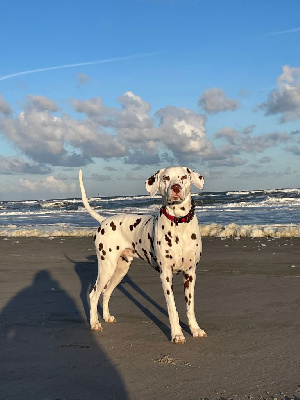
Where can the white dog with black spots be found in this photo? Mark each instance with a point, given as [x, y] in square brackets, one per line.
[170, 242]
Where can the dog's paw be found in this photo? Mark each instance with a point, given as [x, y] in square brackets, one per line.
[178, 339]
[199, 333]
[96, 326]
[110, 319]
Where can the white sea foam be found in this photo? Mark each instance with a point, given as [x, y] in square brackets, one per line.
[236, 193]
[211, 230]
[120, 198]
[283, 201]
[234, 230]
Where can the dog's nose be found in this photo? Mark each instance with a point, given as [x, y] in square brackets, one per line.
[176, 188]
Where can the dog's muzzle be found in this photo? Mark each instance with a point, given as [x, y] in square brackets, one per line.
[176, 193]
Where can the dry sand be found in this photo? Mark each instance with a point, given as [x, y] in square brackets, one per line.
[247, 300]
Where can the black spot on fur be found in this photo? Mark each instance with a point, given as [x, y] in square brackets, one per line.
[151, 180]
[99, 229]
[100, 246]
[113, 226]
[177, 240]
[168, 240]
[187, 281]
[102, 231]
[138, 221]
[193, 236]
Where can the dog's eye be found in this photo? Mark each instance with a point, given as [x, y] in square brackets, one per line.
[166, 178]
[183, 177]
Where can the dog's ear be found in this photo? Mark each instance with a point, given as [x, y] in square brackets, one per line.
[196, 178]
[152, 184]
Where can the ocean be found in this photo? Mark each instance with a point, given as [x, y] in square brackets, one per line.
[256, 213]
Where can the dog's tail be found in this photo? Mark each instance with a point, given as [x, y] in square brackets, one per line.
[93, 213]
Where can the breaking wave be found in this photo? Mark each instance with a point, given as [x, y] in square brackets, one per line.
[253, 213]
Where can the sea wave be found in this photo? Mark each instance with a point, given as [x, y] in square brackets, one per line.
[210, 230]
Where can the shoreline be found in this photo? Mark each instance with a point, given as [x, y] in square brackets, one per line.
[247, 300]
[210, 230]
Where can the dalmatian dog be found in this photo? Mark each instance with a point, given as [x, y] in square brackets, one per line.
[170, 242]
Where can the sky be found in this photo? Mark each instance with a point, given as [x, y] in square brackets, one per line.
[123, 88]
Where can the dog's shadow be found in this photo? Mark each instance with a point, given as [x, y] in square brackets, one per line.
[87, 273]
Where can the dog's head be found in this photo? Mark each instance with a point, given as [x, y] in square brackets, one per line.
[174, 183]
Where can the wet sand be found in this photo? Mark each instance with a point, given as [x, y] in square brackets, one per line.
[247, 301]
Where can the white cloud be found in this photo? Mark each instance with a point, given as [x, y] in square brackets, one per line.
[99, 177]
[228, 162]
[41, 103]
[15, 165]
[294, 150]
[82, 78]
[4, 106]
[47, 187]
[265, 160]
[250, 144]
[47, 139]
[183, 132]
[285, 99]
[131, 176]
[129, 132]
[214, 101]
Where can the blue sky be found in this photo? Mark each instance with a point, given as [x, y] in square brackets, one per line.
[124, 88]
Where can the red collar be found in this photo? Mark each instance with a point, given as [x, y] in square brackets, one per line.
[179, 220]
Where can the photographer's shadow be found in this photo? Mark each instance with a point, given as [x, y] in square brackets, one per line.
[48, 352]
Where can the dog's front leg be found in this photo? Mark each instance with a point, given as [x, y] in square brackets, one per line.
[189, 292]
[167, 284]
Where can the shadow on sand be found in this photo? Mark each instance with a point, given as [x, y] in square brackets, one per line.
[87, 273]
[47, 351]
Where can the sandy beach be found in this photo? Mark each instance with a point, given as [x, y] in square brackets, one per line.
[247, 300]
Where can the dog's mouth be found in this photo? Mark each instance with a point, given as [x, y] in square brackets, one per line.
[176, 197]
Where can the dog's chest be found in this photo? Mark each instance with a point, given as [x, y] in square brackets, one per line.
[177, 246]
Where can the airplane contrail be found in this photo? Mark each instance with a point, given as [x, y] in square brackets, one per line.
[109, 60]
[286, 31]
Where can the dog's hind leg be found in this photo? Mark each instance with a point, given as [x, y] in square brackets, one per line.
[123, 265]
[106, 270]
